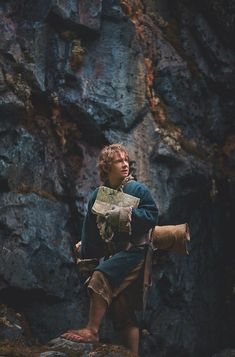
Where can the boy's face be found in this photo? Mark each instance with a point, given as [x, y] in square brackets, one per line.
[119, 168]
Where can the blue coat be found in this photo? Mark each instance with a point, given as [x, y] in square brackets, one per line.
[143, 219]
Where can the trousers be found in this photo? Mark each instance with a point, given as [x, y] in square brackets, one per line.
[122, 300]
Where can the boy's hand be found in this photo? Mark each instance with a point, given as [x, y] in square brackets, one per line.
[119, 219]
[77, 248]
[112, 217]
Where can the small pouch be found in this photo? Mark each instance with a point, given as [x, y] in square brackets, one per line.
[86, 267]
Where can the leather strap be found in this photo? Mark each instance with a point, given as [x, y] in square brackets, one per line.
[147, 269]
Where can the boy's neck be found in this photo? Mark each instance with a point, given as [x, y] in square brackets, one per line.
[114, 182]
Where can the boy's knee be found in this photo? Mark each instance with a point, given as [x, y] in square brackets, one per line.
[99, 284]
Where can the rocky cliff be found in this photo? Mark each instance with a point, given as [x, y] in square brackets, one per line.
[157, 76]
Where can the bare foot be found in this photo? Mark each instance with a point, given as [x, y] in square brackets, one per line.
[83, 335]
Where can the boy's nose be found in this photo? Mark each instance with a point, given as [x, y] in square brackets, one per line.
[125, 164]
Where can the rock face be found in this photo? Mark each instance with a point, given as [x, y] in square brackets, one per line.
[157, 76]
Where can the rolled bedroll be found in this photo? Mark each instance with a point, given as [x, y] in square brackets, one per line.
[173, 238]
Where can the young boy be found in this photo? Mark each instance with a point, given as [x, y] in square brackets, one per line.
[120, 236]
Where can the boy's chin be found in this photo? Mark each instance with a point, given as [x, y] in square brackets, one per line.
[124, 176]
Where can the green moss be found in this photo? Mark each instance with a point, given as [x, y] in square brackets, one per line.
[192, 147]
[10, 349]
[105, 349]
[14, 349]
[158, 19]
[20, 88]
[77, 55]
[24, 189]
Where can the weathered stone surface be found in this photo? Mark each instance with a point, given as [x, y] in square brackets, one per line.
[61, 342]
[221, 15]
[225, 353]
[34, 244]
[157, 76]
[33, 40]
[8, 35]
[25, 164]
[74, 14]
[53, 354]
[31, 12]
[13, 326]
[49, 317]
[99, 98]
[88, 349]
[9, 103]
[79, 13]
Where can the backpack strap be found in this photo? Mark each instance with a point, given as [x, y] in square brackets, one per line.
[147, 281]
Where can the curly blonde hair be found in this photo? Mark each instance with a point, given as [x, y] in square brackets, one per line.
[106, 157]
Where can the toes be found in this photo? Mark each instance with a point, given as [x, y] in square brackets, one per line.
[72, 336]
[80, 336]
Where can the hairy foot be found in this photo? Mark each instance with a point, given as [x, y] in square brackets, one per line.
[83, 335]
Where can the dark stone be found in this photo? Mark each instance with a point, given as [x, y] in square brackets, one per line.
[225, 353]
[113, 9]
[35, 248]
[26, 165]
[33, 41]
[84, 349]
[13, 326]
[60, 342]
[35, 11]
[53, 354]
[158, 77]
[221, 16]
[112, 60]
[10, 104]
[79, 16]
